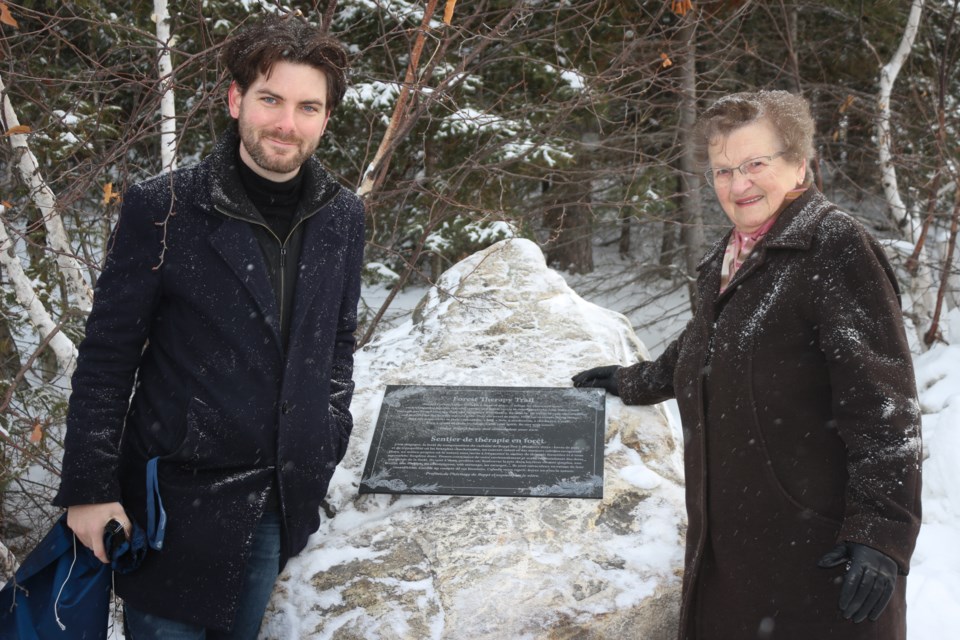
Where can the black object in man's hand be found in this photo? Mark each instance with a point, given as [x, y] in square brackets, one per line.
[114, 537]
[600, 377]
[869, 582]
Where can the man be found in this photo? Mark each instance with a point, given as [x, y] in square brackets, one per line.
[220, 348]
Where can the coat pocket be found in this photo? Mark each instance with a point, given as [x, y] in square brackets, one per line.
[790, 502]
[215, 439]
[188, 450]
[207, 441]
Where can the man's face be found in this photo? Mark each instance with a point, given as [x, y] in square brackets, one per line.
[281, 119]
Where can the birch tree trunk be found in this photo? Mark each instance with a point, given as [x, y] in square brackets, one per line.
[691, 233]
[906, 220]
[8, 563]
[63, 348]
[78, 291]
[168, 109]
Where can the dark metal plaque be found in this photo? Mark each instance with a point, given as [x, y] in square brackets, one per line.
[488, 441]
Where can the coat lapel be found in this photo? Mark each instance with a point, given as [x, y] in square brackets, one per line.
[235, 243]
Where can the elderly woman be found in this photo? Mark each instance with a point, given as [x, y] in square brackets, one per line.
[797, 398]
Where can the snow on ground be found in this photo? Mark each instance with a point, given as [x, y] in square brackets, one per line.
[933, 588]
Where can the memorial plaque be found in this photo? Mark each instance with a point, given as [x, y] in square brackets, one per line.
[488, 441]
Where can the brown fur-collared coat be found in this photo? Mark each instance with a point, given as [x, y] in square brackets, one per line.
[802, 429]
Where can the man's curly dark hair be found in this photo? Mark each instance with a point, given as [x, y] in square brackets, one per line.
[285, 38]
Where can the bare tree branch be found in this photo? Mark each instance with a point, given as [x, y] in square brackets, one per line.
[376, 172]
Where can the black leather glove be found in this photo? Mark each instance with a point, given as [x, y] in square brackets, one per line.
[869, 582]
[599, 377]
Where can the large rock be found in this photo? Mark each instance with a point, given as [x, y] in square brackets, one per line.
[454, 567]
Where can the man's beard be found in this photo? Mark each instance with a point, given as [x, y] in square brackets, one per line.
[252, 142]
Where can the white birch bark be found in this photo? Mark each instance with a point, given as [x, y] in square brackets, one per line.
[78, 291]
[168, 110]
[907, 220]
[691, 233]
[63, 348]
[8, 563]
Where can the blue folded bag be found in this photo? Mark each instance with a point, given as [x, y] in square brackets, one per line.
[61, 591]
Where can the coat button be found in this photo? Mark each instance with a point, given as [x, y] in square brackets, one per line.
[284, 408]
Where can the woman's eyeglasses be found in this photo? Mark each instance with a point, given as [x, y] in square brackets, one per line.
[751, 167]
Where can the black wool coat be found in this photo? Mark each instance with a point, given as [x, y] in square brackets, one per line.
[186, 319]
[801, 426]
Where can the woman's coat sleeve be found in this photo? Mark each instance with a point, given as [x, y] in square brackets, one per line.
[874, 400]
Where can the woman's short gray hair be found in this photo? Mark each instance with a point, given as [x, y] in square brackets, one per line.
[787, 112]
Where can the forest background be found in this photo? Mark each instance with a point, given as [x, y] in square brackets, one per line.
[563, 121]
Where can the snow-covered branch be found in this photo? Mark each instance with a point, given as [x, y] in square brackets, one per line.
[168, 109]
[63, 348]
[375, 171]
[78, 290]
[888, 75]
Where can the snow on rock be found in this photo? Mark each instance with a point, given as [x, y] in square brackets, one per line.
[446, 567]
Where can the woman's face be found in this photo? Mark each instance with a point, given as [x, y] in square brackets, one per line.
[750, 200]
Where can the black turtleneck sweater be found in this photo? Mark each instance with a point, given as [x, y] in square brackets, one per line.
[278, 204]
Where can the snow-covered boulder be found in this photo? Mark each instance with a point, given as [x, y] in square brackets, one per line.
[453, 567]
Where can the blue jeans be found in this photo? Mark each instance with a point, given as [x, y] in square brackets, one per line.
[261, 574]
